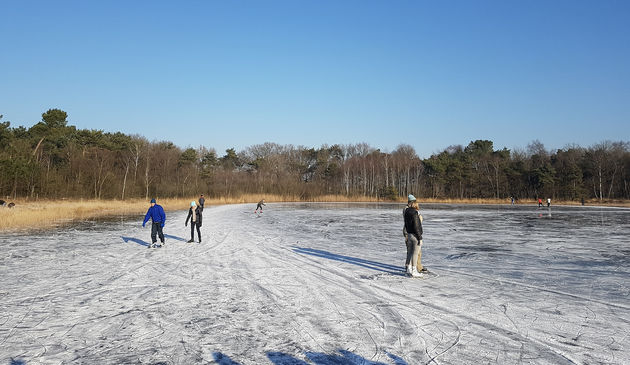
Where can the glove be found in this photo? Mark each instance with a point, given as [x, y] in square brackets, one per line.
[143, 225]
[162, 224]
[186, 224]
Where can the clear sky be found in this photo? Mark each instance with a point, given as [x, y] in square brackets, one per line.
[237, 73]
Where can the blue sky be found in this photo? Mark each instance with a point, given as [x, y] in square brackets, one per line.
[237, 73]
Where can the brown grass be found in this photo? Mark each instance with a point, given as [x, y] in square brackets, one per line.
[29, 214]
[49, 213]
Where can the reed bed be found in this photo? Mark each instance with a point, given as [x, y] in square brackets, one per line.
[29, 214]
[48, 213]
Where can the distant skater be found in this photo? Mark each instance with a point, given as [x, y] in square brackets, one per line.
[582, 200]
[195, 215]
[413, 237]
[158, 217]
[539, 202]
[259, 206]
[202, 201]
[548, 202]
[512, 200]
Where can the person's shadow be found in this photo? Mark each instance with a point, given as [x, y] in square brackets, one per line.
[368, 264]
[135, 240]
[175, 238]
[145, 243]
[343, 358]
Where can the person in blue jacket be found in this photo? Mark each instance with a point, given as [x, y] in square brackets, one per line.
[157, 215]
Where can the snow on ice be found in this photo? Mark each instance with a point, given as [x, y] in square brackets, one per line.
[323, 284]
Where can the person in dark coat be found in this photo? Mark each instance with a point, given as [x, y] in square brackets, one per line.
[259, 206]
[158, 217]
[202, 201]
[195, 216]
[413, 236]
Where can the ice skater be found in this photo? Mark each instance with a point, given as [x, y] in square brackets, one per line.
[413, 237]
[259, 206]
[195, 215]
[548, 202]
[539, 202]
[158, 218]
[202, 201]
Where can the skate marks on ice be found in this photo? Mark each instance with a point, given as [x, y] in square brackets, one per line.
[439, 329]
[256, 296]
[560, 284]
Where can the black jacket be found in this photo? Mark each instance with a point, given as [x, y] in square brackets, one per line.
[198, 211]
[412, 223]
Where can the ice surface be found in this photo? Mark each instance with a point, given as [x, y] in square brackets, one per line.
[323, 284]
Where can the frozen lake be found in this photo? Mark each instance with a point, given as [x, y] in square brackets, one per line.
[323, 284]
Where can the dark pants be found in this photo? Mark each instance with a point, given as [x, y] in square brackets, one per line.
[192, 231]
[156, 229]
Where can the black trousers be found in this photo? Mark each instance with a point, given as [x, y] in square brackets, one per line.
[192, 231]
[156, 229]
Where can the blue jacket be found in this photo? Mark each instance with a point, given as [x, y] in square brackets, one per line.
[156, 213]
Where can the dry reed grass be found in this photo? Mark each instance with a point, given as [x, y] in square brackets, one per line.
[49, 213]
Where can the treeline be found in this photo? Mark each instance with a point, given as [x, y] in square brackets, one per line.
[54, 160]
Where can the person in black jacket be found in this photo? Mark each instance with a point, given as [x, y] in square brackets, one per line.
[413, 236]
[195, 215]
[259, 206]
[202, 201]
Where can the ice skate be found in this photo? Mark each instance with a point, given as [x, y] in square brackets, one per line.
[415, 273]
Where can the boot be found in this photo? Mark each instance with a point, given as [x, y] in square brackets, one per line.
[191, 240]
[415, 273]
[408, 270]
